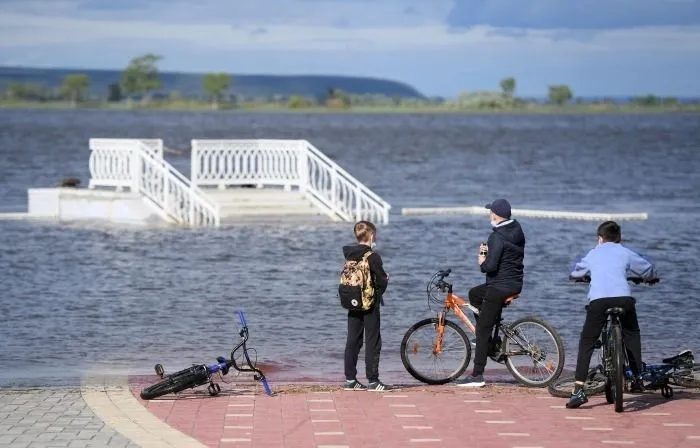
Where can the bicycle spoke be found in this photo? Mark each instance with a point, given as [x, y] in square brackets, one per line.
[420, 351]
[536, 355]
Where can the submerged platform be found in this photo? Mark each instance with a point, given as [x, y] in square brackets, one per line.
[74, 204]
[124, 207]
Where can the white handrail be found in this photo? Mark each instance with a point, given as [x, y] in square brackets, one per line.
[290, 163]
[172, 192]
[133, 164]
[347, 194]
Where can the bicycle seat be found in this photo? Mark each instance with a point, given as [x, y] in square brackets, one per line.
[684, 357]
[614, 311]
[509, 299]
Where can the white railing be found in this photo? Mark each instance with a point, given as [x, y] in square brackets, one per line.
[337, 189]
[225, 163]
[130, 163]
[288, 163]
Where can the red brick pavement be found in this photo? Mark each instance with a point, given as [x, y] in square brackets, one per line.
[445, 416]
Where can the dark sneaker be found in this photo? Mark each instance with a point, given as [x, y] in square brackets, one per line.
[471, 381]
[378, 386]
[636, 387]
[577, 399]
[354, 385]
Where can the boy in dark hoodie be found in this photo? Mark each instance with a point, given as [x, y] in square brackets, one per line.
[365, 323]
[501, 259]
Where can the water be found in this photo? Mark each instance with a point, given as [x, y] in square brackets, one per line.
[77, 295]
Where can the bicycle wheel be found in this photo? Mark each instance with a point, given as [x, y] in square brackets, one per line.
[689, 378]
[418, 352]
[534, 351]
[177, 382]
[618, 367]
[564, 385]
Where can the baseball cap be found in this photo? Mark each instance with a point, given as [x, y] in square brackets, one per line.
[501, 207]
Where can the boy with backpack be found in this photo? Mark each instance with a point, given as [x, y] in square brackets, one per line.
[362, 284]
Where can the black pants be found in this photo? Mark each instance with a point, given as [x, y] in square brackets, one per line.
[489, 300]
[363, 324]
[595, 319]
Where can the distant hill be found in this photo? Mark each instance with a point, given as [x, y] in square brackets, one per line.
[190, 84]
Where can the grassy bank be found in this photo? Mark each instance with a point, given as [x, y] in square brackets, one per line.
[532, 108]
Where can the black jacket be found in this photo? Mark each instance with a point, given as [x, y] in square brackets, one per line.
[504, 262]
[380, 280]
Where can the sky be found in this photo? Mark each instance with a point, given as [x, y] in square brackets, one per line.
[441, 47]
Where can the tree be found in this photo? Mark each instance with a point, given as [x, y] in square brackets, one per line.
[337, 99]
[74, 86]
[508, 86]
[114, 92]
[560, 94]
[215, 84]
[141, 75]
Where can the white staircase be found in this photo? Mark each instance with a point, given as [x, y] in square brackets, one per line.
[289, 164]
[273, 203]
[234, 179]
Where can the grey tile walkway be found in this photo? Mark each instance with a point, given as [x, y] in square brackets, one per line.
[56, 417]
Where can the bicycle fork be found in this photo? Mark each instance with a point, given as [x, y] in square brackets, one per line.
[440, 332]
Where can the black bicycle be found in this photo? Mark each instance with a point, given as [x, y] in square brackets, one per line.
[200, 374]
[613, 370]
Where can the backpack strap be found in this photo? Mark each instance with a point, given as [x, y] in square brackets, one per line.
[366, 256]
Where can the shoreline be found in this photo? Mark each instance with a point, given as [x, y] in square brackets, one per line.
[535, 109]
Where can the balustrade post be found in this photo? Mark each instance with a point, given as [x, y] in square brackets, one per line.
[303, 166]
[358, 203]
[166, 192]
[135, 169]
[191, 201]
[334, 184]
[194, 163]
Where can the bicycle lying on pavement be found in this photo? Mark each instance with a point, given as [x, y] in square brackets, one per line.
[435, 341]
[200, 374]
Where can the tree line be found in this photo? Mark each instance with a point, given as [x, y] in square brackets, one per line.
[141, 78]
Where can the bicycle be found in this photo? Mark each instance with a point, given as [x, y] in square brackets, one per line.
[614, 364]
[200, 374]
[514, 345]
[679, 370]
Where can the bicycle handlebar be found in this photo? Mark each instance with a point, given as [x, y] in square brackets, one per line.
[444, 273]
[635, 280]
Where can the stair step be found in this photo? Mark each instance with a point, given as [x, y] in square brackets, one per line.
[225, 213]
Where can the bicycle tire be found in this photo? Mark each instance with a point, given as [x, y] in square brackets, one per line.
[688, 378]
[564, 385]
[618, 367]
[459, 369]
[520, 377]
[177, 382]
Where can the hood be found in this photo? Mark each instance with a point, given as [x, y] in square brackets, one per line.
[512, 233]
[355, 252]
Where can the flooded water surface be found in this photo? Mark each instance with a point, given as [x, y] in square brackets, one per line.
[75, 296]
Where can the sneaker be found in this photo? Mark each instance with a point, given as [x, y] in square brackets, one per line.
[378, 386]
[354, 385]
[636, 386]
[577, 399]
[471, 381]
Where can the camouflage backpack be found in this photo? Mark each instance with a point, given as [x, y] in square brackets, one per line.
[356, 291]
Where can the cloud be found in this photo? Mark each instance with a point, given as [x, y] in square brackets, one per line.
[356, 13]
[574, 14]
[439, 45]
